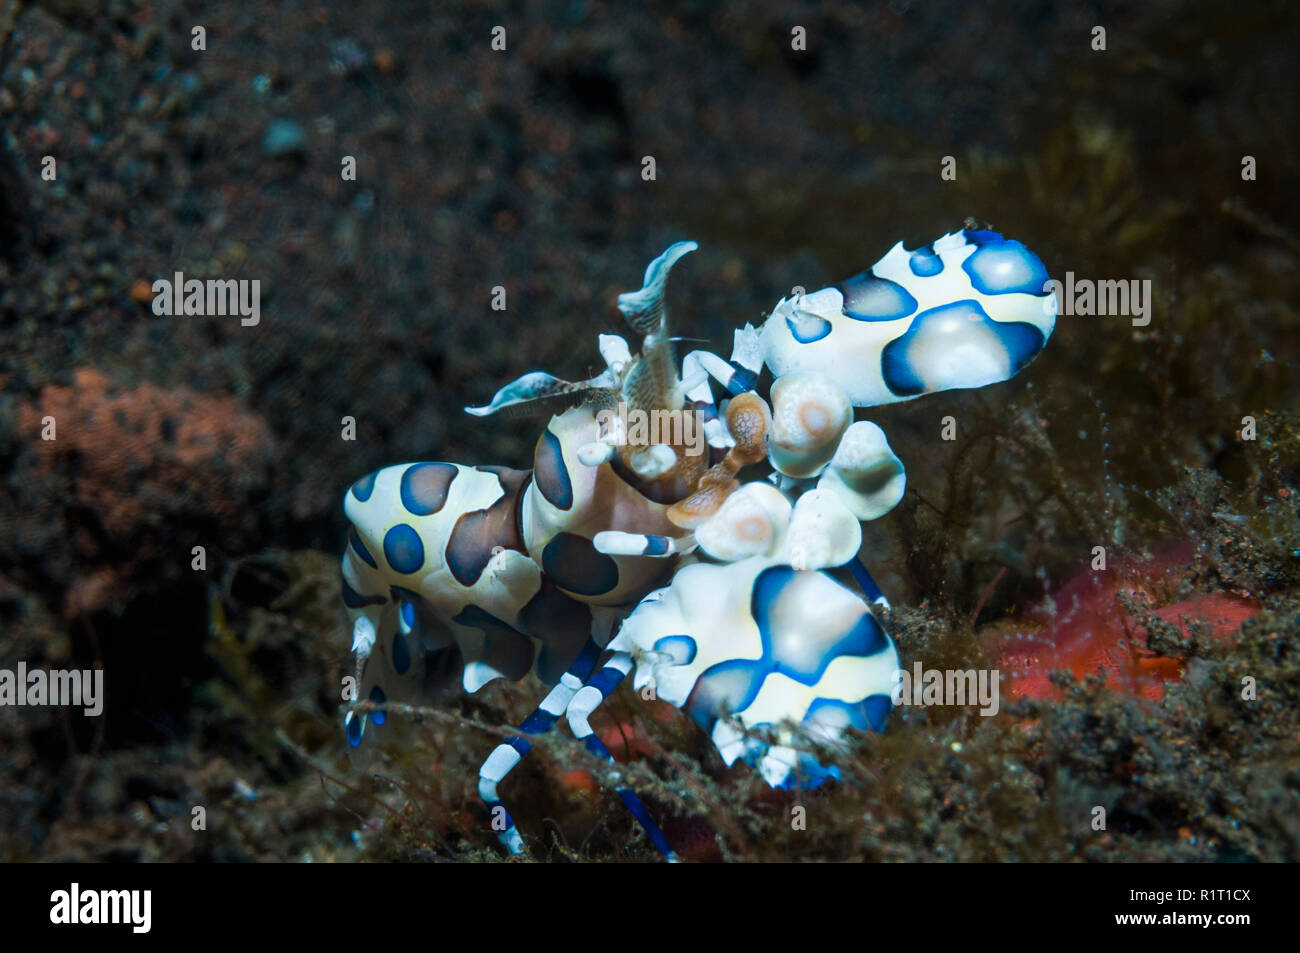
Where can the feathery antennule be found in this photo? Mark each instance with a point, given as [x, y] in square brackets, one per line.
[538, 387]
[643, 308]
[652, 383]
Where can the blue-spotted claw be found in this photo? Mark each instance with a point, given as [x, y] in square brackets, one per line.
[970, 309]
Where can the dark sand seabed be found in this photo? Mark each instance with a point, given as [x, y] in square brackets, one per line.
[523, 169]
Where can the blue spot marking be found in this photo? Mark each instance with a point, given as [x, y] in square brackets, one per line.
[378, 697]
[804, 661]
[870, 714]
[364, 487]
[924, 262]
[842, 714]
[550, 473]
[734, 684]
[682, 648]
[980, 236]
[727, 686]
[809, 773]
[403, 549]
[1021, 340]
[574, 564]
[401, 654]
[354, 726]
[867, 637]
[655, 546]
[878, 708]
[808, 328]
[407, 612]
[1005, 268]
[360, 548]
[868, 298]
[424, 487]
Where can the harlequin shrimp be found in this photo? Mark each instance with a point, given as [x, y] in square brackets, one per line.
[743, 603]
[498, 564]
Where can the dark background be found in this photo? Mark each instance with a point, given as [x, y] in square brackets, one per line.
[522, 168]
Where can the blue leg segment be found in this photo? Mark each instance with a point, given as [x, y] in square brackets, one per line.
[869, 587]
[506, 755]
[597, 689]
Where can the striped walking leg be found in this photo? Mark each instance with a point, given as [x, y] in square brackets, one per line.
[506, 755]
[587, 700]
